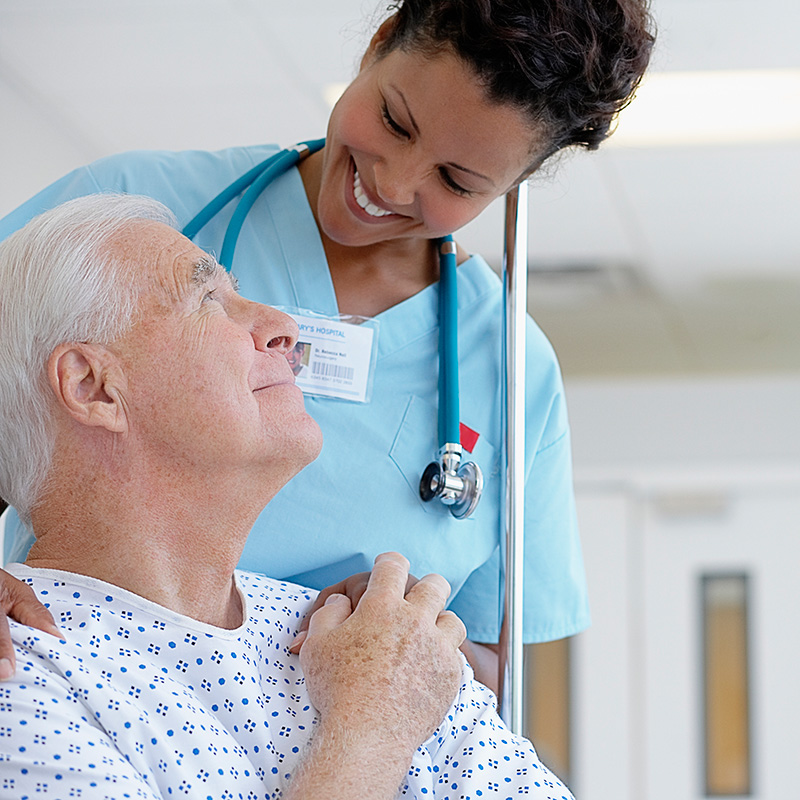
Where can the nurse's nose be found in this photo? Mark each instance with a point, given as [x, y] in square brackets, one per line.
[272, 329]
[396, 182]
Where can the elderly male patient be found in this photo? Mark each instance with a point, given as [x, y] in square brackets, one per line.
[147, 414]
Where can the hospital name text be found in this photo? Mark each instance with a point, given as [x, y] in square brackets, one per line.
[321, 330]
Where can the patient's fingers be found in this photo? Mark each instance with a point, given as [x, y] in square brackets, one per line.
[430, 593]
[334, 611]
[352, 587]
[389, 575]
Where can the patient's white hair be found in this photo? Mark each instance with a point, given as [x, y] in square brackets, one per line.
[59, 282]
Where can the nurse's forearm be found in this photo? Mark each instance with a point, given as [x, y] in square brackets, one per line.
[484, 660]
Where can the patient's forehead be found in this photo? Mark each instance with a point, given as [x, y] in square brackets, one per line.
[162, 264]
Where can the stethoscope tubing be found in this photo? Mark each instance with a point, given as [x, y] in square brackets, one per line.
[449, 411]
[280, 164]
[252, 183]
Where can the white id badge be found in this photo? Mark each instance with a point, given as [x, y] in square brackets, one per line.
[334, 356]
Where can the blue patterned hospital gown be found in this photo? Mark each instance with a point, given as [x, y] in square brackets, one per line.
[140, 702]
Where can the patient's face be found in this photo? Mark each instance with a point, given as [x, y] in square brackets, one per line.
[209, 385]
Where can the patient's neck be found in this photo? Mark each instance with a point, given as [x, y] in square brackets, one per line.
[175, 548]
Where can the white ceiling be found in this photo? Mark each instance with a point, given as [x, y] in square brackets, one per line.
[677, 258]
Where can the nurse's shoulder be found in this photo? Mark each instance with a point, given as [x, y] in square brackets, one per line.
[179, 179]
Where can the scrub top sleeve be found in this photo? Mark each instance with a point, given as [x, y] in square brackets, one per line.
[77, 183]
[183, 181]
[17, 539]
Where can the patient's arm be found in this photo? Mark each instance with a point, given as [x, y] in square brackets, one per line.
[18, 601]
[382, 679]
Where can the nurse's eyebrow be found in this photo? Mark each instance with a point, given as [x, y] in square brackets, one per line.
[207, 268]
[408, 110]
[416, 130]
[470, 172]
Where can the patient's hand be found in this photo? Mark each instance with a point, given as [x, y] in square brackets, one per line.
[352, 588]
[483, 658]
[18, 601]
[383, 675]
[398, 647]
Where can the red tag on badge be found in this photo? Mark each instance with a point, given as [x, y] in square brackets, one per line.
[469, 437]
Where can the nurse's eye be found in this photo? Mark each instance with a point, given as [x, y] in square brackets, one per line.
[447, 178]
[389, 120]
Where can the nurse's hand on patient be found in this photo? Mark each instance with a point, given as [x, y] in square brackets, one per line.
[18, 601]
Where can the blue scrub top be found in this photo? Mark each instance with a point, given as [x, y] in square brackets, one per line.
[360, 497]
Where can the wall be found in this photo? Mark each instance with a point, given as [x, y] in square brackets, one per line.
[677, 479]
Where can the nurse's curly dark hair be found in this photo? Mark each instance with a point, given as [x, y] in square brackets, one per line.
[570, 65]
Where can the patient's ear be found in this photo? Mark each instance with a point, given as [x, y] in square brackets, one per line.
[88, 382]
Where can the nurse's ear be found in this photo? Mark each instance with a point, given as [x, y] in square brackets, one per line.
[89, 385]
[378, 39]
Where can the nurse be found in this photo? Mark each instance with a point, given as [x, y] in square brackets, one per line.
[455, 103]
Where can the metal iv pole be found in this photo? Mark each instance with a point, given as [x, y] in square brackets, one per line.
[515, 280]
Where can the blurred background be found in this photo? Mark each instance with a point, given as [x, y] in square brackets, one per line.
[665, 269]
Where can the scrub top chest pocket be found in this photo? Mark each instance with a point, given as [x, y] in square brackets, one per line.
[412, 449]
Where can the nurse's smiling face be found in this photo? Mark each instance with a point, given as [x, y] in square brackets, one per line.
[416, 150]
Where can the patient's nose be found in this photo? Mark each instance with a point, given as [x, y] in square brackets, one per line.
[272, 329]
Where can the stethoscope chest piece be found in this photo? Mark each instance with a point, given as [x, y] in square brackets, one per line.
[458, 486]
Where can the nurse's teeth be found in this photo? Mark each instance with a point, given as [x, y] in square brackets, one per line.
[363, 201]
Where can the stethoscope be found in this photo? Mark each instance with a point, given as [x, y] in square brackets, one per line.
[458, 486]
